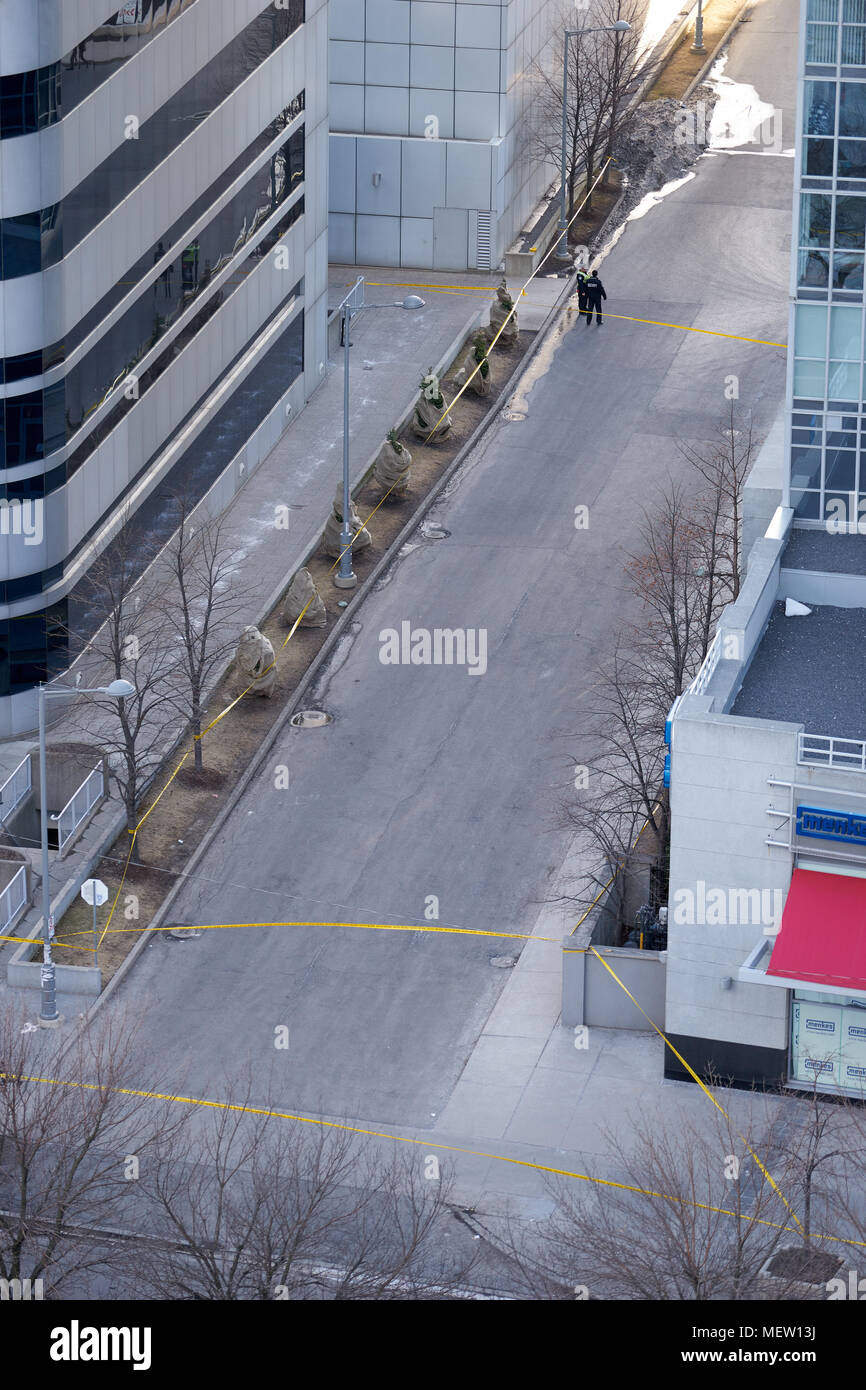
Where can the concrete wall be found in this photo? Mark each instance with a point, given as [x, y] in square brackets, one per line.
[590, 995]
[719, 824]
[441, 93]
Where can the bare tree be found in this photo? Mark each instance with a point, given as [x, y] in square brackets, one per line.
[201, 604]
[692, 1217]
[131, 644]
[724, 466]
[251, 1205]
[71, 1141]
[605, 70]
[619, 806]
[666, 576]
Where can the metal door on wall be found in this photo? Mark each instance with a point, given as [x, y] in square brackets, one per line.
[450, 239]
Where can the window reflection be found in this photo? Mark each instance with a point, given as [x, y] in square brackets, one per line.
[66, 224]
[41, 421]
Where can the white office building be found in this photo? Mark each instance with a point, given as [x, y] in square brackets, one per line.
[430, 165]
[163, 277]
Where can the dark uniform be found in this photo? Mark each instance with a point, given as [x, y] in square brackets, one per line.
[581, 277]
[594, 295]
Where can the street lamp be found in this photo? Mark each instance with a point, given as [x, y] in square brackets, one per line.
[346, 578]
[620, 27]
[49, 1017]
[698, 45]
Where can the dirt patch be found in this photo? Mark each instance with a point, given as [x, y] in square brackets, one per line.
[683, 66]
[192, 799]
[586, 226]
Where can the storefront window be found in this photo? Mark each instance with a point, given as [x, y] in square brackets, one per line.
[828, 1040]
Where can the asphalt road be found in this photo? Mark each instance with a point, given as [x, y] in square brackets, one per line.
[433, 781]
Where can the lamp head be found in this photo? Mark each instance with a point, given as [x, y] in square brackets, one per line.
[118, 689]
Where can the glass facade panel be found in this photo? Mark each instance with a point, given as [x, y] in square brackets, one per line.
[30, 101]
[814, 269]
[815, 214]
[809, 379]
[852, 159]
[818, 157]
[34, 425]
[852, 109]
[819, 108]
[810, 333]
[847, 270]
[850, 227]
[844, 381]
[845, 334]
[66, 224]
[806, 466]
[821, 43]
[841, 469]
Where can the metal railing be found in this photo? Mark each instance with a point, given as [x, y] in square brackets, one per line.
[78, 806]
[823, 750]
[16, 787]
[708, 666]
[13, 898]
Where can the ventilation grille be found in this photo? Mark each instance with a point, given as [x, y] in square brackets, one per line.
[485, 220]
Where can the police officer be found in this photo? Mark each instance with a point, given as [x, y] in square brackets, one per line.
[594, 295]
[581, 277]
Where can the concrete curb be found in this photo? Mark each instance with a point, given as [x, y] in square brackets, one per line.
[738, 19]
[327, 649]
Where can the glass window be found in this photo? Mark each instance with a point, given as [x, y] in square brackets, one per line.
[852, 109]
[822, 9]
[807, 505]
[814, 269]
[64, 226]
[809, 379]
[810, 332]
[821, 43]
[847, 270]
[853, 11]
[850, 227]
[819, 109]
[854, 45]
[806, 466]
[845, 334]
[843, 383]
[841, 466]
[30, 101]
[815, 210]
[818, 157]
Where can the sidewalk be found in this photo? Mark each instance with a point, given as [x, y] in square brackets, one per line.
[390, 354]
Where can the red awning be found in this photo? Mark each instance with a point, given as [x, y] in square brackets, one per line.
[822, 940]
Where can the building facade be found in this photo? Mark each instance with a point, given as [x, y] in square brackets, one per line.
[163, 276]
[430, 165]
[826, 391]
[766, 964]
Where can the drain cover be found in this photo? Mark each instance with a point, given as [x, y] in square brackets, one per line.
[310, 719]
[504, 962]
[183, 933]
[513, 415]
[434, 533]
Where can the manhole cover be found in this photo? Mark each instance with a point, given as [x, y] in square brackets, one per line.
[183, 933]
[504, 962]
[310, 719]
[513, 415]
[434, 533]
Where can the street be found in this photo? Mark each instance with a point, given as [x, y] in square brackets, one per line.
[434, 783]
